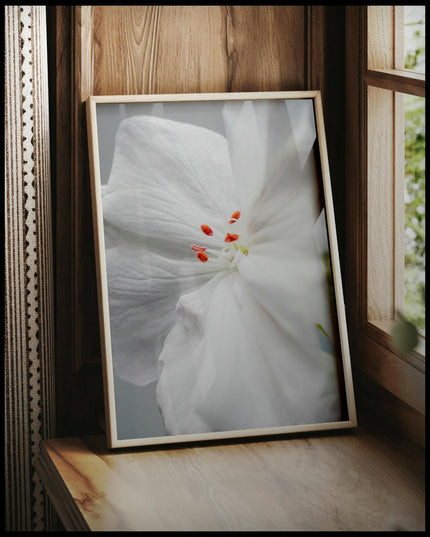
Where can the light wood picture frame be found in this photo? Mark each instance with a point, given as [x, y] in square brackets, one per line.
[220, 294]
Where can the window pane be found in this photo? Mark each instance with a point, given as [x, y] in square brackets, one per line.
[414, 38]
[414, 305]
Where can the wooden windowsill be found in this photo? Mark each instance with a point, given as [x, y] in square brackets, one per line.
[415, 358]
[348, 481]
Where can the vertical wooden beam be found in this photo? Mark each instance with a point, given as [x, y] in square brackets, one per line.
[85, 329]
[356, 191]
[380, 35]
[316, 50]
[380, 203]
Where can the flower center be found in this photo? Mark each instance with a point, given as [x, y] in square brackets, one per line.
[231, 248]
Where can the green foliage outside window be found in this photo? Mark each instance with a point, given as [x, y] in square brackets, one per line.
[414, 307]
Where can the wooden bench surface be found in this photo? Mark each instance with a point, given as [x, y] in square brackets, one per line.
[348, 481]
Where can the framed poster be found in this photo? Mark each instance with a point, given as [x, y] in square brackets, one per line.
[220, 296]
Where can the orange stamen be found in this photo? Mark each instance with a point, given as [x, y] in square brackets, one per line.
[231, 237]
[202, 256]
[198, 248]
[235, 217]
[207, 230]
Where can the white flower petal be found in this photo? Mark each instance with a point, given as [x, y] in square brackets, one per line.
[274, 167]
[302, 117]
[167, 179]
[289, 197]
[247, 151]
[242, 349]
[143, 289]
[292, 289]
[229, 364]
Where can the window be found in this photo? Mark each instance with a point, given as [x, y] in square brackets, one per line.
[395, 161]
[385, 185]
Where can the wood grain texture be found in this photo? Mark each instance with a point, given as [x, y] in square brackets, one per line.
[343, 483]
[398, 223]
[317, 50]
[380, 37]
[396, 80]
[86, 342]
[266, 48]
[389, 370]
[59, 29]
[332, 83]
[355, 167]
[386, 415]
[194, 49]
[380, 204]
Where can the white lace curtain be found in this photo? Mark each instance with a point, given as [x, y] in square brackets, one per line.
[29, 331]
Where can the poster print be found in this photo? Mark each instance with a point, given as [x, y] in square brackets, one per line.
[219, 285]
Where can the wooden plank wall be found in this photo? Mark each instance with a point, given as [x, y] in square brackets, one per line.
[107, 50]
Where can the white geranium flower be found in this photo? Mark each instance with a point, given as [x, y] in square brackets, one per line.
[215, 283]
